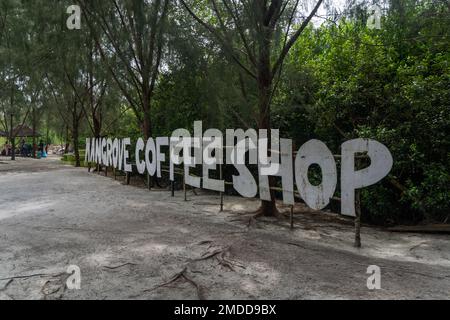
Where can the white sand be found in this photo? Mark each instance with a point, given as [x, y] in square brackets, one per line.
[127, 241]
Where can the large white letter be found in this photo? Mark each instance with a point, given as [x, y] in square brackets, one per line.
[269, 167]
[92, 154]
[212, 141]
[316, 152]
[115, 153]
[98, 151]
[151, 165]
[87, 155]
[196, 144]
[120, 155]
[140, 165]
[160, 156]
[244, 183]
[381, 164]
[180, 140]
[109, 144]
[126, 154]
[285, 171]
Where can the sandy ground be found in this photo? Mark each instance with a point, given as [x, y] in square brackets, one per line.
[130, 243]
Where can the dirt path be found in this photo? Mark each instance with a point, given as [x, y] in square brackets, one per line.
[130, 243]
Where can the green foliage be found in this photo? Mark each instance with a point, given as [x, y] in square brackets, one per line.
[340, 81]
[391, 85]
[69, 158]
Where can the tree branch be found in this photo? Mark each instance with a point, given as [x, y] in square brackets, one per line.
[293, 39]
[223, 42]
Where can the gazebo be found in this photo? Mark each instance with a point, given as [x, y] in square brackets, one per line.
[21, 132]
[24, 132]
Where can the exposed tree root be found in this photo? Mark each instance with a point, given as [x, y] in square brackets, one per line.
[225, 264]
[249, 221]
[119, 266]
[302, 246]
[25, 277]
[170, 281]
[34, 275]
[6, 285]
[265, 212]
[221, 257]
[218, 254]
[203, 242]
[197, 286]
[46, 294]
[417, 246]
[209, 255]
[176, 277]
[8, 296]
[224, 261]
[260, 213]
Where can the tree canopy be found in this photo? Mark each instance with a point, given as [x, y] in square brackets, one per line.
[313, 69]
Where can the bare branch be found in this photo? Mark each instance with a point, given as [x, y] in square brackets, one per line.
[294, 38]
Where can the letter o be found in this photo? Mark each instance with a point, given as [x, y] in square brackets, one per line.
[151, 166]
[115, 152]
[140, 165]
[316, 152]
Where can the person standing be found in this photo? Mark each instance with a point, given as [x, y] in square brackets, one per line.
[40, 149]
[23, 151]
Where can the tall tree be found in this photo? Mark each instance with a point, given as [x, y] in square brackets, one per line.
[20, 92]
[257, 36]
[132, 45]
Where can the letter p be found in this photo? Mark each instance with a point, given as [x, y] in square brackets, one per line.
[381, 165]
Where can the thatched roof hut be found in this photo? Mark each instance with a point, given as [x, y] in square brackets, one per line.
[20, 132]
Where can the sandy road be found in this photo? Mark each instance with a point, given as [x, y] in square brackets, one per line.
[129, 242]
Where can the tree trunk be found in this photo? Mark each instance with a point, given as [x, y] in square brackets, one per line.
[147, 123]
[66, 149]
[358, 219]
[75, 136]
[264, 78]
[147, 132]
[13, 140]
[147, 127]
[34, 133]
[95, 111]
[97, 125]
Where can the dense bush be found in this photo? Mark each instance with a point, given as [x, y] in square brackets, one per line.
[391, 85]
